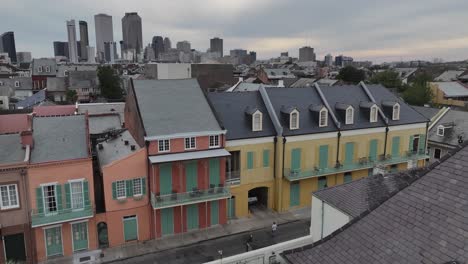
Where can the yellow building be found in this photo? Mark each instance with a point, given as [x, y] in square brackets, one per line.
[449, 93]
[286, 143]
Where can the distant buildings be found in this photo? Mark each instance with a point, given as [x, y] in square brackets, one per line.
[184, 46]
[167, 44]
[104, 33]
[158, 46]
[328, 61]
[84, 41]
[7, 44]
[240, 56]
[216, 45]
[72, 46]
[23, 56]
[306, 54]
[110, 51]
[342, 61]
[60, 49]
[132, 32]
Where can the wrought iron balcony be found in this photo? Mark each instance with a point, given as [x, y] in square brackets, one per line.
[195, 196]
[60, 216]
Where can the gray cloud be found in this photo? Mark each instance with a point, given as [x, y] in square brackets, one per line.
[366, 29]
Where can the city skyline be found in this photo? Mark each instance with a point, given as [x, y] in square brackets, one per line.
[433, 30]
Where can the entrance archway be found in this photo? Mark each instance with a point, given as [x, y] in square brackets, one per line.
[103, 237]
[258, 198]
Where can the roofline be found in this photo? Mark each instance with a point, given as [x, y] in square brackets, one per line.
[327, 105]
[186, 134]
[213, 110]
[271, 111]
[371, 97]
[439, 116]
[137, 106]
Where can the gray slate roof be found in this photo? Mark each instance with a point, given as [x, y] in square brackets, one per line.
[11, 150]
[448, 76]
[426, 222]
[173, 106]
[428, 112]
[302, 82]
[100, 124]
[103, 108]
[36, 63]
[365, 194]
[59, 138]
[56, 84]
[115, 149]
[231, 109]
[460, 128]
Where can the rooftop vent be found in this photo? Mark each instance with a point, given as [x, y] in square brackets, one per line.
[126, 142]
[132, 147]
[100, 146]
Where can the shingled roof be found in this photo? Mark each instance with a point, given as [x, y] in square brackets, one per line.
[426, 222]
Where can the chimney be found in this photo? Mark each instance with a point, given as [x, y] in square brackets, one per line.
[132, 147]
[27, 138]
[126, 142]
[100, 147]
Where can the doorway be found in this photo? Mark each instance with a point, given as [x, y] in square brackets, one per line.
[103, 237]
[14, 247]
[258, 198]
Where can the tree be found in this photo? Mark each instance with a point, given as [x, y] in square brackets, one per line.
[109, 83]
[71, 96]
[351, 75]
[388, 78]
[419, 92]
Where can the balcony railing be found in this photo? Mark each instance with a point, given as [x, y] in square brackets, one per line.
[195, 196]
[60, 216]
[233, 178]
[361, 163]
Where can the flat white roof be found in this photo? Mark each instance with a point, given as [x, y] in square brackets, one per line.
[204, 154]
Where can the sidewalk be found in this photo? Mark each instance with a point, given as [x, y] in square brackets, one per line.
[258, 220]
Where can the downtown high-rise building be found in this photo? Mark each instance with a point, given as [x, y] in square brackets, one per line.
[110, 51]
[158, 46]
[7, 45]
[167, 44]
[84, 40]
[216, 45]
[132, 32]
[184, 46]
[306, 54]
[328, 60]
[60, 49]
[23, 56]
[104, 33]
[72, 45]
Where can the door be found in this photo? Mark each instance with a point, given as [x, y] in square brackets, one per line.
[53, 239]
[14, 248]
[231, 207]
[214, 172]
[214, 214]
[294, 193]
[167, 221]
[296, 159]
[191, 176]
[165, 178]
[323, 157]
[396, 147]
[80, 236]
[373, 150]
[192, 216]
[349, 153]
[130, 228]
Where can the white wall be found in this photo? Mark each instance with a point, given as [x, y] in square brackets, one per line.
[332, 218]
[5, 101]
[174, 71]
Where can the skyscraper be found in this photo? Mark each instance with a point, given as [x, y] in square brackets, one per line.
[132, 32]
[158, 46]
[306, 54]
[104, 33]
[167, 44]
[7, 44]
[23, 56]
[216, 45]
[72, 46]
[184, 46]
[110, 51]
[84, 40]
[328, 61]
[60, 49]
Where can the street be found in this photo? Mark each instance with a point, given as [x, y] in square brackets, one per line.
[230, 245]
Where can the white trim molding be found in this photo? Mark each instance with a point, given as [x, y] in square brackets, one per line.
[409, 126]
[312, 136]
[184, 135]
[249, 141]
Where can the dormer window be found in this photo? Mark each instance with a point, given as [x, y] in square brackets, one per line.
[373, 114]
[396, 112]
[323, 117]
[294, 120]
[349, 116]
[39, 69]
[47, 69]
[17, 84]
[257, 121]
[440, 130]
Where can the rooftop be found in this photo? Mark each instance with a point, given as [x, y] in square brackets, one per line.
[13, 123]
[11, 151]
[115, 148]
[102, 108]
[452, 89]
[54, 110]
[456, 125]
[102, 123]
[428, 112]
[32, 100]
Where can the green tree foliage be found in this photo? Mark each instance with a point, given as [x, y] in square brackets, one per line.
[419, 92]
[388, 78]
[109, 83]
[351, 75]
[71, 96]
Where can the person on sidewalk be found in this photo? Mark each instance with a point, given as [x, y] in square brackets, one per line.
[273, 229]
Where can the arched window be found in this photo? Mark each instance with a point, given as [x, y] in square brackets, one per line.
[257, 121]
[349, 116]
[323, 117]
[396, 112]
[373, 114]
[294, 120]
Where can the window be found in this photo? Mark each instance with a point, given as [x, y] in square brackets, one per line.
[322, 182]
[396, 112]
[76, 195]
[214, 141]
[47, 69]
[373, 114]
[437, 153]
[17, 84]
[120, 189]
[349, 116]
[163, 145]
[257, 121]
[39, 69]
[65, 73]
[190, 143]
[440, 130]
[323, 118]
[9, 196]
[137, 187]
[85, 89]
[348, 177]
[50, 199]
[294, 120]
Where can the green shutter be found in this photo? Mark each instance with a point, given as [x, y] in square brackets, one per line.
[214, 172]
[296, 159]
[130, 228]
[53, 238]
[114, 190]
[214, 212]
[322, 182]
[250, 160]
[129, 186]
[231, 208]
[294, 193]
[422, 143]
[373, 150]
[165, 178]
[266, 158]
[143, 185]
[167, 221]
[323, 157]
[192, 216]
[410, 147]
[80, 236]
[86, 193]
[39, 201]
[58, 190]
[349, 153]
[191, 176]
[67, 196]
[396, 147]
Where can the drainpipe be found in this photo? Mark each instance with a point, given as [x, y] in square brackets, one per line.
[323, 218]
[280, 179]
[385, 143]
[338, 147]
[275, 140]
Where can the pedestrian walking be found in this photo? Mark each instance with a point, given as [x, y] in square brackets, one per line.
[273, 228]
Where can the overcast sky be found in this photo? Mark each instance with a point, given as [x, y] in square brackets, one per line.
[376, 30]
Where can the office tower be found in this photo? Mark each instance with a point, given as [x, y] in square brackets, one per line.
[149, 53]
[132, 32]
[216, 45]
[90, 51]
[7, 45]
[253, 56]
[60, 49]
[342, 61]
[284, 54]
[104, 33]
[328, 61]
[238, 56]
[110, 53]
[23, 56]
[158, 46]
[72, 46]
[84, 40]
[183, 46]
[306, 54]
[167, 44]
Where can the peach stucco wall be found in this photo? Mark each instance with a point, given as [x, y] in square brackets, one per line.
[115, 224]
[177, 145]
